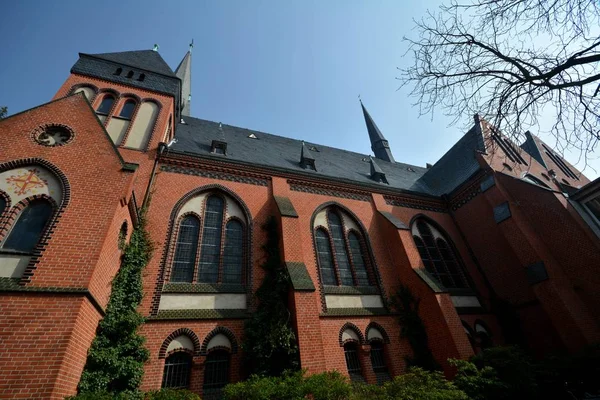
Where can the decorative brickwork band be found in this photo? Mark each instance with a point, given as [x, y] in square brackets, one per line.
[327, 190]
[220, 330]
[418, 204]
[214, 175]
[180, 332]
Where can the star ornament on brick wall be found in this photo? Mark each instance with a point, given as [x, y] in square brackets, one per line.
[27, 182]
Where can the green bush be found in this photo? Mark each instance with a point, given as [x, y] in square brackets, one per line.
[163, 394]
[291, 386]
[514, 369]
[171, 394]
[419, 384]
[478, 384]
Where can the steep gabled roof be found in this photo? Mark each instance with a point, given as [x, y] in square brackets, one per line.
[281, 153]
[457, 165]
[149, 60]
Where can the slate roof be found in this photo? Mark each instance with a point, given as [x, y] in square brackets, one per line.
[149, 60]
[456, 166]
[196, 135]
[158, 75]
[184, 72]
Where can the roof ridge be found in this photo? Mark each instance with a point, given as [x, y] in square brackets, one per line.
[164, 66]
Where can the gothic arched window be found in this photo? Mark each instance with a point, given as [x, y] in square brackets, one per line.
[216, 372]
[177, 372]
[185, 249]
[29, 227]
[106, 104]
[341, 254]
[438, 255]
[218, 237]
[211, 240]
[233, 256]
[127, 110]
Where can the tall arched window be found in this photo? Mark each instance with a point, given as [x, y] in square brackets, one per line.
[341, 255]
[484, 337]
[233, 256]
[438, 256]
[219, 237]
[127, 110]
[216, 372]
[177, 371]
[352, 362]
[106, 104]
[211, 240]
[29, 227]
[325, 258]
[185, 249]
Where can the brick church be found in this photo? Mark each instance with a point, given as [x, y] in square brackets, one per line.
[499, 241]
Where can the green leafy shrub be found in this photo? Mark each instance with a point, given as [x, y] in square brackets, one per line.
[171, 394]
[269, 340]
[478, 384]
[413, 329]
[291, 386]
[419, 384]
[115, 361]
[514, 369]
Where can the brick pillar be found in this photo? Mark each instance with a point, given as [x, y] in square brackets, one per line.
[305, 305]
[569, 315]
[364, 356]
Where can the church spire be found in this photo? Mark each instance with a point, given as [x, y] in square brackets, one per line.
[379, 144]
[184, 72]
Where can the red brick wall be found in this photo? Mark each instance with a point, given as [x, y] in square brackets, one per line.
[44, 339]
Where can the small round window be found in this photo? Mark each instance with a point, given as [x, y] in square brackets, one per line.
[53, 135]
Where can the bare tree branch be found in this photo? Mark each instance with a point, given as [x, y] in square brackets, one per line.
[512, 61]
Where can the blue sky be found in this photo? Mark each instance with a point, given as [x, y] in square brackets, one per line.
[292, 68]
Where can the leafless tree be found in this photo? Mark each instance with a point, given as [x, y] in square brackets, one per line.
[513, 62]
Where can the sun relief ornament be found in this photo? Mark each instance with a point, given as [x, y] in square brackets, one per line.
[53, 135]
[26, 182]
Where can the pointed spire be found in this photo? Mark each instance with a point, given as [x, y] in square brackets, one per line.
[184, 72]
[377, 173]
[379, 144]
[307, 159]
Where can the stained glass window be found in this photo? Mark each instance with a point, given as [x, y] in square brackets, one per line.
[233, 254]
[106, 105]
[438, 257]
[29, 226]
[185, 250]
[210, 251]
[325, 258]
[127, 110]
[339, 247]
[360, 268]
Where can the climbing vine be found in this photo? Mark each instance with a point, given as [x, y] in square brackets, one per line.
[115, 361]
[269, 340]
[413, 329]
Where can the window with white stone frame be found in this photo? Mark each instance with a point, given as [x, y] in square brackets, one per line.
[587, 202]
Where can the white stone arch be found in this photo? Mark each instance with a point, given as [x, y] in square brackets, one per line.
[143, 125]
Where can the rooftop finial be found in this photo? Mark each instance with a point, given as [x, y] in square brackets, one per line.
[191, 45]
[359, 99]
[155, 48]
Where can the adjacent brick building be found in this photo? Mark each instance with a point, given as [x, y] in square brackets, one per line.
[499, 242]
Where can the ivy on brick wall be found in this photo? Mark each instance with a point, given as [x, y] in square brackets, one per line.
[115, 361]
[269, 340]
[413, 329]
